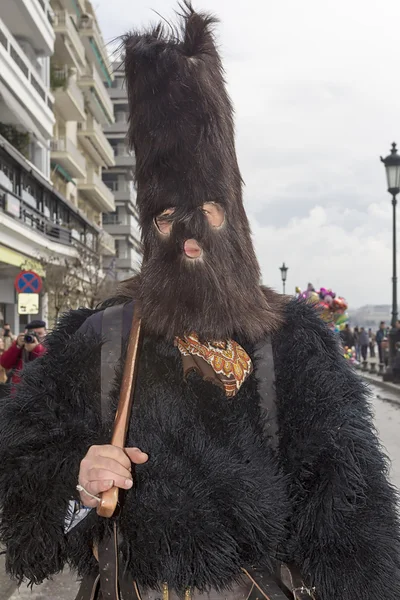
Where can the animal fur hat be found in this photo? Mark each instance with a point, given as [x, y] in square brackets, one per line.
[181, 129]
[181, 125]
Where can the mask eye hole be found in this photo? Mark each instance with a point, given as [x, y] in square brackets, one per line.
[214, 213]
[164, 221]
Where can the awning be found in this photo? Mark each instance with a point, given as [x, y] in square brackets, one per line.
[63, 172]
[16, 259]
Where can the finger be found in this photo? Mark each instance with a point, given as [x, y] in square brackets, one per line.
[109, 451]
[108, 464]
[137, 456]
[95, 488]
[124, 483]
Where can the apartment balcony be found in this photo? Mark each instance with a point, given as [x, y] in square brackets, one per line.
[131, 263]
[95, 47]
[117, 127]
[122, 225]
[30, 20]
[68, 98]
[123, 195]
[65, 153]
[106, 244]
[31, 231]
[96, 96]
[97, 192]
[94, 141]
[68, 49]
[76, 7]
[124, 159]
[22, 89]
[118, 93]
[121, 229]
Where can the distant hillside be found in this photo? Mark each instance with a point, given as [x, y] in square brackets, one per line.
[370, 316]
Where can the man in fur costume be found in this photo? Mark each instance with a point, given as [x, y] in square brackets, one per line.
[216, 488]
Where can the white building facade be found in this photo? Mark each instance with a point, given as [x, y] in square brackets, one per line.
[26, 103]
[122, 223]
[54, 105]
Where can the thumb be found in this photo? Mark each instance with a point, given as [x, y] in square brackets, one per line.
[137, 456]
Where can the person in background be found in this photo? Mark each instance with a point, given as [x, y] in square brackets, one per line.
[372, 341]
[385, 351]
[26, 348]
[363, 341]
[380, 335]
[3, 372]
[357, 342]
[7, 336]
[347, 336]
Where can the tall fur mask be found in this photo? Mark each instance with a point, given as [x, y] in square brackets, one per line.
[199, 268]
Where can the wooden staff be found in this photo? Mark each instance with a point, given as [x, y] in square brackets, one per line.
[109, 499]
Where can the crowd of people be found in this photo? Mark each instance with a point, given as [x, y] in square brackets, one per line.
[365, 341]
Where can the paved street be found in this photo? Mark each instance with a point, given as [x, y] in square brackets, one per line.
[64, 588]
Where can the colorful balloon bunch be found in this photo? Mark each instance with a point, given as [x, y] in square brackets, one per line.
[333, 307]
[350, 355]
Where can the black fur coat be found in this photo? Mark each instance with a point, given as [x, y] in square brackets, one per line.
[214, 495]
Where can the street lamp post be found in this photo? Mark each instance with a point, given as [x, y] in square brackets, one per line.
[392, 166]
[284, 269]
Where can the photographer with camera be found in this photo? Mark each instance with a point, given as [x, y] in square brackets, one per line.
[26, 348]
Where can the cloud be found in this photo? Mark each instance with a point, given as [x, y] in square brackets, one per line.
[315, 89]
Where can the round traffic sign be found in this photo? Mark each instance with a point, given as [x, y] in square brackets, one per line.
[28, 282]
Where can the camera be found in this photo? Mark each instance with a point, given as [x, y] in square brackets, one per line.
[30, 338]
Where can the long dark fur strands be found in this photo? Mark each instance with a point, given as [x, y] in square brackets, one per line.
[181, 128]
[181, 124]
[213, 494]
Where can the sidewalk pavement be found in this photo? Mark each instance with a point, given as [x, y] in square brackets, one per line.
[375, 379]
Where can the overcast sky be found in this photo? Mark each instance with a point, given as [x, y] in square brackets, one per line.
[316, 89]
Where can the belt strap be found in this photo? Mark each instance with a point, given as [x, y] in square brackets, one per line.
[111, 329]
[265, 373]
[108, 565]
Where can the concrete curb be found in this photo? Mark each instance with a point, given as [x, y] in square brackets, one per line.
[385, 385]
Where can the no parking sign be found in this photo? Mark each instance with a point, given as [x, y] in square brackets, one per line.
[28, 282]
[28, 285]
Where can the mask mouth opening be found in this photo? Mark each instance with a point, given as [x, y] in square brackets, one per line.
[192, 249]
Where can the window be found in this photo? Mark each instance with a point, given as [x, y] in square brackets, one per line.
[121, 116]
[118, 83]
[111, 181]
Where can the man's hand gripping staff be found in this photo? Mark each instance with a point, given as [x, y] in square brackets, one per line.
[107, 469]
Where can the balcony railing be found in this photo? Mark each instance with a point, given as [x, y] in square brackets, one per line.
[98, 182]
[107, 243]
[65, 145]
[90, 81]
[90, 31]
[109, 219]
[13, 206]
[24, 65]
[67, 93]
[65, 23]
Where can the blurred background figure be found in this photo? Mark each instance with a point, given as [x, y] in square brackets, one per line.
[357, 343]
[347, 336]
[6, 336]
[363, 342]
[25, 348]
[3, 373]
[372, 341]
[380, 336]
